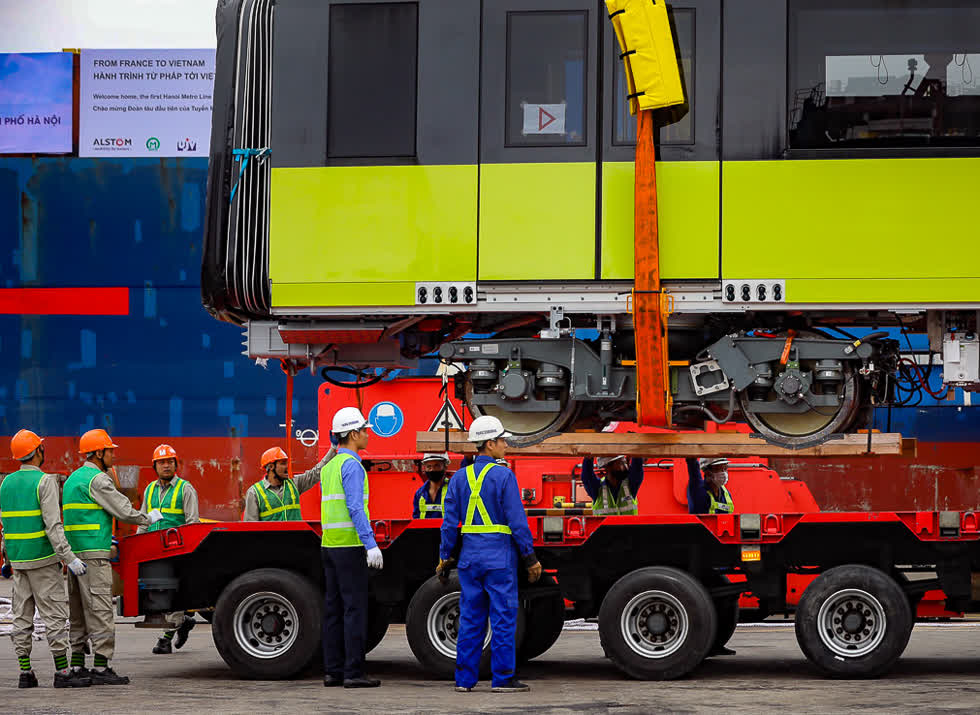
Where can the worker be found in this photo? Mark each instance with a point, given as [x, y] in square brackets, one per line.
[347, 533]
[484, 497]
[90, 503]
[430, 499]
[708, 494]
[614, 494]
[177, 501]
[275, 497]
[35, 547]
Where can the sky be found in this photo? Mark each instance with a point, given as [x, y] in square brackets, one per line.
[52, 25]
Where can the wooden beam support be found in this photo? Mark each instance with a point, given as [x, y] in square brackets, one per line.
[676, 444]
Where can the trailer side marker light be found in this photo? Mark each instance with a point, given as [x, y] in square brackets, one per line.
[969, 521]
[751, 553]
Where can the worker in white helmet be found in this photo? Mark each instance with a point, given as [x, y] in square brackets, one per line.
[485, 498]
[430, 498]
[706, 490]
[349, 550]
[615, 493]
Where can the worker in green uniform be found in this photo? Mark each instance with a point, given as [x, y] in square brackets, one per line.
[177, 501]
[91, 501]
[275, 497]
[35, 545]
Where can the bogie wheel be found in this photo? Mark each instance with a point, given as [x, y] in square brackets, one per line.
[432, 627]
[657, 623]
[853, 621]
[544, 623]
[267, 623]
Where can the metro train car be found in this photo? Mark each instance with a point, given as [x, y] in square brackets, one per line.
[390, 180]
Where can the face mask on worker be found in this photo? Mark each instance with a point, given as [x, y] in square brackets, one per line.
[618, 471]
[720, 479]
[436, 475]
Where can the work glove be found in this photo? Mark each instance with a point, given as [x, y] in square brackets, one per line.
[533, 567]
[443, 569]
[374, 558]
[77, 567]
[155, 516]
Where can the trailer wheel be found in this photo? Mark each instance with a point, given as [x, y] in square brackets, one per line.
[267, 623]
[432, 626]
[853, 622]
[544, 623]
[657, 623]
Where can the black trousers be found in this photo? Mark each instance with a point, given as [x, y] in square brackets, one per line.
[345, 610]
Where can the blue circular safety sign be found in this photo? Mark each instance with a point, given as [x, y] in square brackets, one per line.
[386, 419]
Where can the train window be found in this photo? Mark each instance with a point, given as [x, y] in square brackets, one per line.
[546, 78]
[372, 80]
[884, 73]
[676, 123]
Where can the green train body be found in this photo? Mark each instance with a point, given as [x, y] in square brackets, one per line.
[449, 167]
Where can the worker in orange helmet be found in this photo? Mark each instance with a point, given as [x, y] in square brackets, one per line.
[91, 501]
[275, 497]
[177, 500]
[35, 544]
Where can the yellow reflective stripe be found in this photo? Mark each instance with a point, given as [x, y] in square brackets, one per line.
[278, 509]
[172, 511]
[476, 505]
[292, 491]
[82, 506]
[31, 512]
[481, 529]
[21, 537]
[173, 502]
[82, 527]
[149, 495]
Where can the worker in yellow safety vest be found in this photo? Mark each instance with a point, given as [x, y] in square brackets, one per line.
[706, 490]
[614, 494]
[430, 498]
[275, 497]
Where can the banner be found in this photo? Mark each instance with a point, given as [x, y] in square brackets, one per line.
[145, 102]
[35, 103]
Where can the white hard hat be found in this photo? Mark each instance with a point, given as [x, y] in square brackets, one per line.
[486, 428]
[435, 457]
[712, 462]
[604, 461]
[347, 419]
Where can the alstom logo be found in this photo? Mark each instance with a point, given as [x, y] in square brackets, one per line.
[112, 142]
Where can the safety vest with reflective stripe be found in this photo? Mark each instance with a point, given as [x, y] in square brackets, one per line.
[88, 526]
[23, 525]
[606, 505]
[338, 529]
[434, 510]
[278, 509]
[476, 505]
[170, 502]
[721, 507]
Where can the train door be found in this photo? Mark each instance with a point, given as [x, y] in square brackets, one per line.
[688, 167]
[538, 139]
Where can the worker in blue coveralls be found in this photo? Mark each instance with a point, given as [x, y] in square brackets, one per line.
[615, 494]
[484, 497]
[430, 498]
[706, 490]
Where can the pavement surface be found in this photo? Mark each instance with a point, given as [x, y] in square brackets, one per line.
[940, 673]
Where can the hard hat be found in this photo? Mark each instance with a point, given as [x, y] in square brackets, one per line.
[94, 440]
[164, 451]
[435, 457]
[273, 454]
[347, 419]
[486, 428]
[605, 461]
[24, 443]
[712, 462]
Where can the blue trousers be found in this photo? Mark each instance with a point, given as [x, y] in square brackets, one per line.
[345, 610]
[486, 592]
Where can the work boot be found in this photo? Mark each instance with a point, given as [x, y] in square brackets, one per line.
[27, 679]
[511, 686]
[107, 676]
[163, 646]
[180, 637]
[332, 681]
[71, 679]
[463, 689]
[361, 683]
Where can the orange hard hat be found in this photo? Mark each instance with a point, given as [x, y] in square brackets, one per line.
[94, 440]
[23, 443]
[164, 451]
[273, 454]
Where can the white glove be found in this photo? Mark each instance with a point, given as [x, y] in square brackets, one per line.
[155, 516]
[77, 567]
[375, 559]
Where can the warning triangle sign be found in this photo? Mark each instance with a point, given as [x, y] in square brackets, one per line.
[542, 122]
[447, 413]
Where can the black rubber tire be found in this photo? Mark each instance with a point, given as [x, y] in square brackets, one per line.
[701, 617]
[439, 664]
[304, 597]
[898, 621]
[379, 616]
[544, 623]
